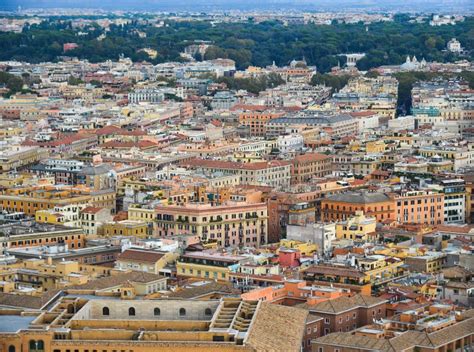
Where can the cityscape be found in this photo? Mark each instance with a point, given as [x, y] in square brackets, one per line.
[270, 175]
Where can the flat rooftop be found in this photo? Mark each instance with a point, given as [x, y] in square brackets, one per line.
[13, 323]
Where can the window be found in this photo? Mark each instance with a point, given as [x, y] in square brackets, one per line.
[326, 320]
[320, 349]
[11, 348]
[157, 311]
[208, 311]
[131, 311]
[105, 311]
[182, 312]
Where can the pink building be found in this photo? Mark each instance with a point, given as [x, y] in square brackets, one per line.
[69, 46]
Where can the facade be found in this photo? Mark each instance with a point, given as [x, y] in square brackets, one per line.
[231, 224]
[149, 261]
[257, 121]
[454, 201]
[340, 125]
[212, 266]
[431, 262]
[310, 165]
[348, 313]
[341, 206]
[275, 173]
[420, 207]
[145, 95]
[357, 228]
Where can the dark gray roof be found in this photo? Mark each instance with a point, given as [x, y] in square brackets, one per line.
[96, 170]
[360, 197]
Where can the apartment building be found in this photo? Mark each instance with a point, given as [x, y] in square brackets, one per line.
[310, 165]
[228, 224]
[276, 173]
[341, 206]
[207, 265]
[344, 314]
[357, 228]
[257, 121]
[420, 207]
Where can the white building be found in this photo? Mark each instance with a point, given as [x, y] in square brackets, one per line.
[402, 123]
[290, 143]
[321, 234]
[146, 95]
[454, 46]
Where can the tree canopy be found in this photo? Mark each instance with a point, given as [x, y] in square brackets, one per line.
[247, 43]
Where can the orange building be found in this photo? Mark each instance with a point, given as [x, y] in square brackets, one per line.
[308, 165]
[420, 207]
[257, 121]
[341, 206]
[294, 292]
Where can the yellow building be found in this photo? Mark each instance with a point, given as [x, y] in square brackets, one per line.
[375, 147]
[379, 269]
[31, 199]
[305, 248]
[150, 261]
[135, 228]
[357, 227]
[67, 215]
[138, 213]
[207, 265]
[39, 275]
[14, 157]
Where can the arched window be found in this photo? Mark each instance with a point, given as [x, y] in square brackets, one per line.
[182, 312]
[11, 348]
[35, 346]
[131, 311]
[157, 311]
[208, 311]
[105, 311]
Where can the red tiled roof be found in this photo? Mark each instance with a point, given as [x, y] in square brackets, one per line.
[362, 113]
[127, 145]
[91, 210]
[311, 157]
[141, 256]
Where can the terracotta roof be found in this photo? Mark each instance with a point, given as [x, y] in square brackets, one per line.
[26, 301]
[456, 272]
[405, 341]
[362, 113]
[311, 157]
[141, 256]
[190, 292]
[143, 144]
[117, 280]
[465, 229]
[342, 304]
[277, 328]
[91, 210]
[355, 341]
[334, 270]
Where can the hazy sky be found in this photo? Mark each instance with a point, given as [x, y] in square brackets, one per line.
[205, 5]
